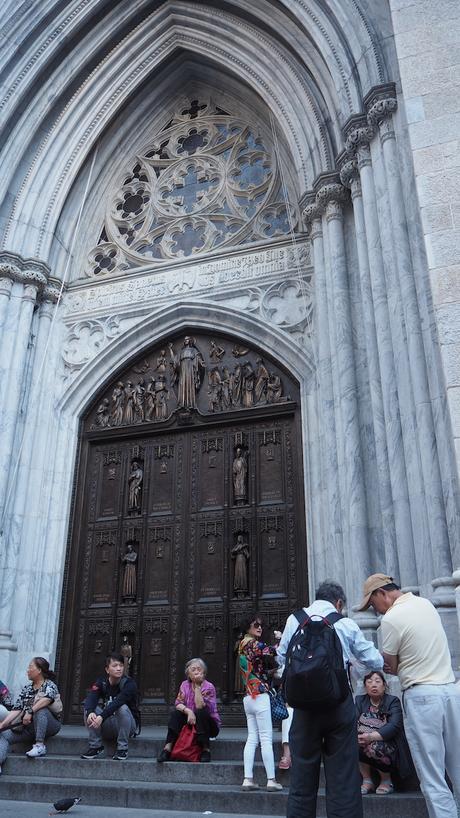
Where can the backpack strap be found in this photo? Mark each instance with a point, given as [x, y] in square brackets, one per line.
[332, 618]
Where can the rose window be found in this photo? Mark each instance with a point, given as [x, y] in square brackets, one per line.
[208, 180]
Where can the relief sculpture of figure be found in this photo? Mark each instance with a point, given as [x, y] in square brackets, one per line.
[235, 386]
[248, 385]
[138, 399]
[187, 373]
[161, 398]
[261, 381]
[214, 390]
[274, 388]
[240, 473]
[161, 362]
[226, 387]
[129, 587]
[149, 400]
[129, 405]
[102, 414]
[135, 487]
[118, 402]
[127, 653]
[240, 553]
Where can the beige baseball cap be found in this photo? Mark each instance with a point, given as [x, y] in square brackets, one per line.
[373, 583]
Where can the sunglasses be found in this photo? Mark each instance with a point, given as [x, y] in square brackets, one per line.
[257, 624]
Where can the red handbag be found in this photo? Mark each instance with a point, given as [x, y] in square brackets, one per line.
[186, 747]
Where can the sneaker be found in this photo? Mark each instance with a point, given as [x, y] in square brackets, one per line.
[205, 755]
[274, 786]
[93, 752]
[37, 751]
[120, 755]
[248, 784]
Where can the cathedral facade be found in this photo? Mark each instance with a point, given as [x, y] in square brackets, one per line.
[229, 321]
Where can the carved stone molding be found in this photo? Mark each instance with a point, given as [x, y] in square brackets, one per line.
[311, 215]
[331, 198]
[380, 104]
[32, 273]
[357, 132]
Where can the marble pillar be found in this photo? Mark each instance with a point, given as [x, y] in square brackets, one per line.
[350, 177]
[332, 546]
[331, 197]
[380, 113]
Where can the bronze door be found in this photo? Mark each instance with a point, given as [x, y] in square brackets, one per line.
[177, 533]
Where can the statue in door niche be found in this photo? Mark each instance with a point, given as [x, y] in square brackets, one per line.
[129, 586]
[240, 553]
[135, 487]
[240, 477]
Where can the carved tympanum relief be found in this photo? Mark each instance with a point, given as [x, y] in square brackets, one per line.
[207, 180]
[208, 374]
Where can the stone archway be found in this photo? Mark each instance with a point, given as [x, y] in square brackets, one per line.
[188, 514]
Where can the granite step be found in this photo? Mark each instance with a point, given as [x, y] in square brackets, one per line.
[141, 783]
[186, 797]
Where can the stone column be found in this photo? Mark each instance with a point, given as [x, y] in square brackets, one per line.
[29, 509]
[8, 274]
[357, 145]
[333, 535]
[350, 177]
[331, 198]
[381, 106]
[11, 402]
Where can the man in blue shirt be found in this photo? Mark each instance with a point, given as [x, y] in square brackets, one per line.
[331, 733]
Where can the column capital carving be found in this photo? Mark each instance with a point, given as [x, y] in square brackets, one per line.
[357, 132]
[50, 294]
[331, 198]
[311, 215]
[380, 103]
[28, 271]
[349, 172]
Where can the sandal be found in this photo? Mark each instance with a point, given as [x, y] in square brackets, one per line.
[386, 788]
[367, 786]
[284, 763]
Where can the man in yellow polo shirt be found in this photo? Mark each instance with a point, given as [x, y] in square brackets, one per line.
[415, 648]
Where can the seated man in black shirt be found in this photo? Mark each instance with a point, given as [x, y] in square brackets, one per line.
[111, 709]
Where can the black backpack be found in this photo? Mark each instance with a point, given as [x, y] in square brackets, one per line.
[314, 675]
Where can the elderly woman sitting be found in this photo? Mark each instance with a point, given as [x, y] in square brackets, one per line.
[195, 704]
[382, 742]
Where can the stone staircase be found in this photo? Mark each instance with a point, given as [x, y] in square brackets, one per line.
[141, 783]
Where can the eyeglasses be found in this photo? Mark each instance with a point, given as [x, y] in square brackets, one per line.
[257, 625]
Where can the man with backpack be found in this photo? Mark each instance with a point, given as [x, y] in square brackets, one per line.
[316, 648]
[111, 710]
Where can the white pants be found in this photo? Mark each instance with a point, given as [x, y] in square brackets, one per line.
[286, 725]
[432, 723]
[259, 719]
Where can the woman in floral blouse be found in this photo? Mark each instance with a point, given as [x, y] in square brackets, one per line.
[36, 713]
[257, 702]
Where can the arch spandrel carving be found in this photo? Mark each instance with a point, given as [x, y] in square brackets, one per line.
[191, 377]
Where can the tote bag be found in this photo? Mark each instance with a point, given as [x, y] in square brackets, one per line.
[186, 747]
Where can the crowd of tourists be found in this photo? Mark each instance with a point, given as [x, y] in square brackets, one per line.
[369, 743]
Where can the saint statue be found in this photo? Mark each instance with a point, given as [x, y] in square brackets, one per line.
[261, 380]
[161, 362]
[118, 403]
[135, 487]
[161, 398]
[129, 587]
[102, 414]
[240, 553]
[274, 388]
[127, 653]
[187, 373]
[239, 473]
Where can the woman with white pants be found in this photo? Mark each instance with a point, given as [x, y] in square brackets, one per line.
[257, 703]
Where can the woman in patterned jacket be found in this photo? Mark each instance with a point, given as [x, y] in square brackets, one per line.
[36, 712]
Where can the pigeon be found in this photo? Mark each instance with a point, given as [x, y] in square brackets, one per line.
[64, 804]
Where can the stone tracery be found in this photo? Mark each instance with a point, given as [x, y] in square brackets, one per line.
[208, 180]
